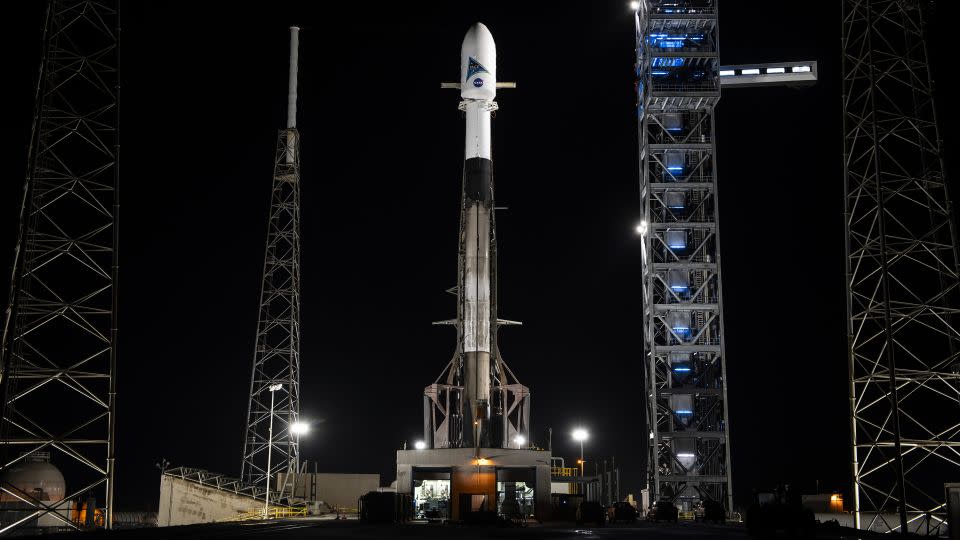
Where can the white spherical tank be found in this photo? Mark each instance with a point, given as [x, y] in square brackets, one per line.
[40, 479]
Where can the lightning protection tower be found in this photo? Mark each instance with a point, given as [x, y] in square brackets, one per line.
[271, 444]
[902, 274]
[58, 375]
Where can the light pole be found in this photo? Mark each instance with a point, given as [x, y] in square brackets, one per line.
[266, 503]
[580, 434]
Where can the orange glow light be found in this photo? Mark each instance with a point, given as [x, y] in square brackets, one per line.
[482, 461]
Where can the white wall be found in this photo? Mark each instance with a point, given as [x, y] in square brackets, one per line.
[341, 490]
[185, 503]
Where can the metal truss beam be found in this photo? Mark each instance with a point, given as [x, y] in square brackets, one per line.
[902, 274]
[218, 481]
[277, 351]
[58, 374]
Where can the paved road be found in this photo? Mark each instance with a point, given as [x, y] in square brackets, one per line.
[306, 528]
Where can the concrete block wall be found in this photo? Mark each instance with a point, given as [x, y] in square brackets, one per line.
[186, 503]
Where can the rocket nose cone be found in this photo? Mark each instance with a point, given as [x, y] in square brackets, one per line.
[478, 38]
[478, 64]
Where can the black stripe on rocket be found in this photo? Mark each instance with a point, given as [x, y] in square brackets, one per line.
[478, 180]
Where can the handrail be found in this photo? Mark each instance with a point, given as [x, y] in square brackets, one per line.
[564, 471]
[274, 512]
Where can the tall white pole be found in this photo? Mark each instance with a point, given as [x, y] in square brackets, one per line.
[292, 94]
[292, 82]
[266, 502]
[583, 483]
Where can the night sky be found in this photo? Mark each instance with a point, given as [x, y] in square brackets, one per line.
[203, 95]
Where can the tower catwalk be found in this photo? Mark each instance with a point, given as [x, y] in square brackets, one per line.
[903, 287]
[271, 444]
[678, 87]
[58, 375]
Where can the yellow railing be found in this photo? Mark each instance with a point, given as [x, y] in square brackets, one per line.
[275, 512]
[295, 511]
[688, 516]
[564, 471]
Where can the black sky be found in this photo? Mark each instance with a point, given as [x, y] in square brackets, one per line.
[203, 94]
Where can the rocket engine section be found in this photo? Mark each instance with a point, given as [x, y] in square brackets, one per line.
[476, 405]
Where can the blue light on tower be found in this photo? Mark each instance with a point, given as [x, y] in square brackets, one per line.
[684, 412]
[676, 239]
[667, 62]
[681, 369]
[675, 41]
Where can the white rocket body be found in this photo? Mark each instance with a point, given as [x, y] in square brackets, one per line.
[478, 68]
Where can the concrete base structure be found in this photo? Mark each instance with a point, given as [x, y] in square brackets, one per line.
[334, 489]
[183, 502]
[477, 479]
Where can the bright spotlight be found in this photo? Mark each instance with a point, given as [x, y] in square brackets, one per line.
[634, 5]
[420, 445]
[580, 434]
[520, 440]
[642, 228]
[300, 428]
[274, 387]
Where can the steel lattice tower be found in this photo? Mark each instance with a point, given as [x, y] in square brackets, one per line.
[902, 273]
[277, 354]
[678, 87]
[59, 336]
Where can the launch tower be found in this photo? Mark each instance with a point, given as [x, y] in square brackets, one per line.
[679, 78]
[678, 74]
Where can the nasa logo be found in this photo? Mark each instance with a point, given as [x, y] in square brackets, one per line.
[478, 82]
